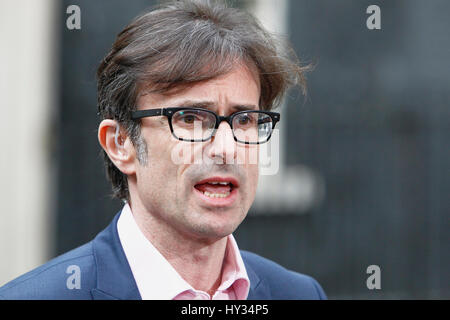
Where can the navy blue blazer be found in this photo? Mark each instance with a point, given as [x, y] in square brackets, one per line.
[104, 273]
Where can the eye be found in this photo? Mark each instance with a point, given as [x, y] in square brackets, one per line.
[245, 119]
[189, 117]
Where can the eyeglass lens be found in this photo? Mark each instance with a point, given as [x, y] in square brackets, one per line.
[199, 125]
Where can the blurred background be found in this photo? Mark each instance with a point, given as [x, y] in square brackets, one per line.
[364, 175]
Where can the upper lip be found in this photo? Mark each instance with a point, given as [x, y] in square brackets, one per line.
[234, 182]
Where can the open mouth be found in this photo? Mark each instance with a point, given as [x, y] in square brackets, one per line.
[217, 188]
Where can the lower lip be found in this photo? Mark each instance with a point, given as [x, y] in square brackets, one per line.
[218, 202]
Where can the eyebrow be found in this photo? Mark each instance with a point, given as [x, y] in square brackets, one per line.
[211, 105]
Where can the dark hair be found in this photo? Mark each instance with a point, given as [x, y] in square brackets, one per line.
[184, 42]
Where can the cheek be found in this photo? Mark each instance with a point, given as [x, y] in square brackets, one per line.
[158, 176]
[247, 155]
[183, 154]
[253, 178]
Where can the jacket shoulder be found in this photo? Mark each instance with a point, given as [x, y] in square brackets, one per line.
[71, 275]
[281, 282]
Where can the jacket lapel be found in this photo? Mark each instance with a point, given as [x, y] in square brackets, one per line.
[114, 277]
[258, 288]
[115, 280]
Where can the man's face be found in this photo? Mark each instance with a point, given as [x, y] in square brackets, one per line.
[206, 200]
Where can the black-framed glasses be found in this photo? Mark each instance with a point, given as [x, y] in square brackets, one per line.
[199, 125]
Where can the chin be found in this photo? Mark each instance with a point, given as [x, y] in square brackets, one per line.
[214, 222]
[215, 230]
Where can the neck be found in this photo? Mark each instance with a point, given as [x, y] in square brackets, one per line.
[197, 260]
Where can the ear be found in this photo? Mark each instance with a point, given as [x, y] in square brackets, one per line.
[117, 145]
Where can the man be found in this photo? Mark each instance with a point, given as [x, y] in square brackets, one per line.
[184, 96]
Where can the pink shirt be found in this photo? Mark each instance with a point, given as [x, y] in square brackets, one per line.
[156, 279]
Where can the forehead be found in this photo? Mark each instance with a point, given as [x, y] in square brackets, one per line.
[240, 86]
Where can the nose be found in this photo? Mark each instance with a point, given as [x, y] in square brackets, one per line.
[222, 147]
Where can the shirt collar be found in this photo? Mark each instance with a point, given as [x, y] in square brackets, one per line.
[156, 279]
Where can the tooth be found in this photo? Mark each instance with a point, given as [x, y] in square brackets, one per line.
[216, 195]
[214, 182]
[223, 183]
